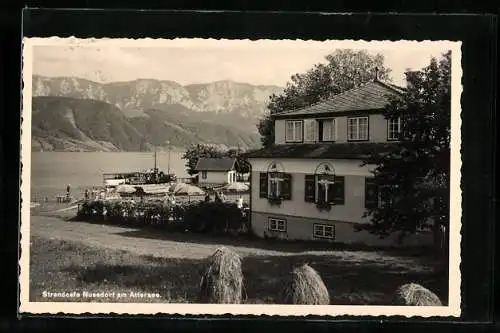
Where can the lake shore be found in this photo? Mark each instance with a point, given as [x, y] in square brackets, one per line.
[51, 172]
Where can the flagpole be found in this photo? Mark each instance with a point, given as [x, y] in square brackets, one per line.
[155, 159]
[168, 165]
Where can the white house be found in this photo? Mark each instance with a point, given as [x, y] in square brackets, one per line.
[310, 184]
[216, 171]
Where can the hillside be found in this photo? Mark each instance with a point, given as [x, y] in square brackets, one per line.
[78, 114]
[70, 124]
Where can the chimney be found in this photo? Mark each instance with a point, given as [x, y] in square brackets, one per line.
[376, 74]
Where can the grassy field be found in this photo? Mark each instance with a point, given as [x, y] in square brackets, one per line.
[353, 278]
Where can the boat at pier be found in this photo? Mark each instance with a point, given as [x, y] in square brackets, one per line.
[151, 181]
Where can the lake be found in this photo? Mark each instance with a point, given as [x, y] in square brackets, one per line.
[52, 171]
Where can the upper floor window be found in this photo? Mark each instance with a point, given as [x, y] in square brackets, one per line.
[327, 129]
[357, 128]
[294, 131]
[393, 128]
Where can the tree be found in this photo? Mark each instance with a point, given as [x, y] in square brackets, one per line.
[413, 178]
[344, 70]
[195, 152]
[242, 164]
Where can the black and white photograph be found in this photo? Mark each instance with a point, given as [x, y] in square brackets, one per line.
[214, 176]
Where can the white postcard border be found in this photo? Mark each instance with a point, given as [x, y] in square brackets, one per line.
[454, 303]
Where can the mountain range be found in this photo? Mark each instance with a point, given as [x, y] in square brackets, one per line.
[74, 114]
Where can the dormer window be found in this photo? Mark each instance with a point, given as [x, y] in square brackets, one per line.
[393, 129]
[294, 131]
[357, 128]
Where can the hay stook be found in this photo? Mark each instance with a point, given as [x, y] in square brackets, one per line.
[222, 282]
[304, 286]
[413, 294]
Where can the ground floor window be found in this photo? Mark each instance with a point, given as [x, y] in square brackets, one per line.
[275, 184]
[324, 231]
[277, 225]
[324, 190]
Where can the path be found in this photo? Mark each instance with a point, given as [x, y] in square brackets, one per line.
[188, 246]
[113, 237]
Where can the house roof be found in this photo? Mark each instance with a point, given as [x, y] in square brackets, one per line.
[350, 150]
[373, 95]
[215, 164]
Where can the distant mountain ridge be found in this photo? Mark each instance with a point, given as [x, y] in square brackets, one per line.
[137, 95]
[78, 114]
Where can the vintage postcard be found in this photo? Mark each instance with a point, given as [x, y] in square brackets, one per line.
[266, 177]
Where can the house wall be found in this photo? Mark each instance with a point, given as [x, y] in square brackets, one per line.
[353, 207]
[218, 177]
[302, 228]
[301, 215]
[377, 129]
[352, 210]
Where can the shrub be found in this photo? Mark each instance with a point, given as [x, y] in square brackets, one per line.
[203, 217]
[213, 217]
[223, 280]
[304, 286]
[413, 294]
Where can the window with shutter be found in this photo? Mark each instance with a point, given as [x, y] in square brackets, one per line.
[263, 185]
[328, 130]
[294, 131]
[287, 187]
[327, 189]
[309, 189]
[339, 190]
[371, 193]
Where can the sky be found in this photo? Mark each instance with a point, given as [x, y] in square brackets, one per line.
[259, 63]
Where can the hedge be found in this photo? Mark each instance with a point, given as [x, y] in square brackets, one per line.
[200, 217]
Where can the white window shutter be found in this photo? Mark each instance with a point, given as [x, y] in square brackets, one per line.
[314, 130]
[309, 129]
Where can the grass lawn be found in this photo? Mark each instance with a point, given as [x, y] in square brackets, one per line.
[353, 278]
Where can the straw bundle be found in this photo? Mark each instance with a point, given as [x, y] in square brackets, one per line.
[413, 294]
[222, 282]
[304, 286]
